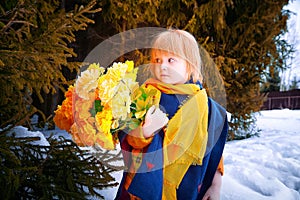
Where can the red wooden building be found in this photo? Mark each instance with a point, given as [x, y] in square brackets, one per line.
[280, 100]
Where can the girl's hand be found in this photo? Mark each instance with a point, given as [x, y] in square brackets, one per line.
[214, 191]
[155, 119]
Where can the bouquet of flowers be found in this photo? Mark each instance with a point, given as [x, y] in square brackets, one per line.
[102, 102]
[98, 104]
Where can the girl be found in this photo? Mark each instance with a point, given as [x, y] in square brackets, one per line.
[177, 152]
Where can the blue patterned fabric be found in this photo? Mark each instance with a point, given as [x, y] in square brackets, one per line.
[148, 184]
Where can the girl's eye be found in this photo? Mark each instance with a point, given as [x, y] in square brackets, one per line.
[157, 60]
[170, 60]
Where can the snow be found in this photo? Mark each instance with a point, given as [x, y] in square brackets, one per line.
[20, 131]
[264, 167]
[268, 166]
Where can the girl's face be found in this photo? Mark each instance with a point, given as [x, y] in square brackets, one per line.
[169, 68]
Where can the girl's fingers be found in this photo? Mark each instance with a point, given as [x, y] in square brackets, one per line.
[166, 120]
[151, 109]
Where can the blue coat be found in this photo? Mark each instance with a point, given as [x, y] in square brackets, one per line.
[148, 185]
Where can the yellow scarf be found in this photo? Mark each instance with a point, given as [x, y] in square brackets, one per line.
[185, 136]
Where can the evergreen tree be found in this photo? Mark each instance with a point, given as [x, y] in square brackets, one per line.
[34, 38]
[273, 81]
[241, 37]
[125, 15]
[59, 171]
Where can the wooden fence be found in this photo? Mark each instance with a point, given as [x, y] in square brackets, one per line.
[281, 100]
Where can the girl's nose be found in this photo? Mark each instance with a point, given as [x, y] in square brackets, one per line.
[163, 67]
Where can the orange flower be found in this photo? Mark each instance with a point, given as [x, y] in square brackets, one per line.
[87, 134]
[82, 108]
[64, 114]
[75, 135]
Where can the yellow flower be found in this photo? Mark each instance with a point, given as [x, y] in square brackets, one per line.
[121, 105]
[117, 71]
[115, 124]
[95, 66]
[104, 123]
[106, 89]
[122, 100]
[88, 81]
[144, 97]
[130, 65]
[104, 120]
[109, 83]
[105, 141]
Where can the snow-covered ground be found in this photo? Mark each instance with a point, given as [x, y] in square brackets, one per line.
[259, 168]
[265, 167]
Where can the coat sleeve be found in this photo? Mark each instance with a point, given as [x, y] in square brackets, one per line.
[217, 135]
[221, 166]
[136, 139]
